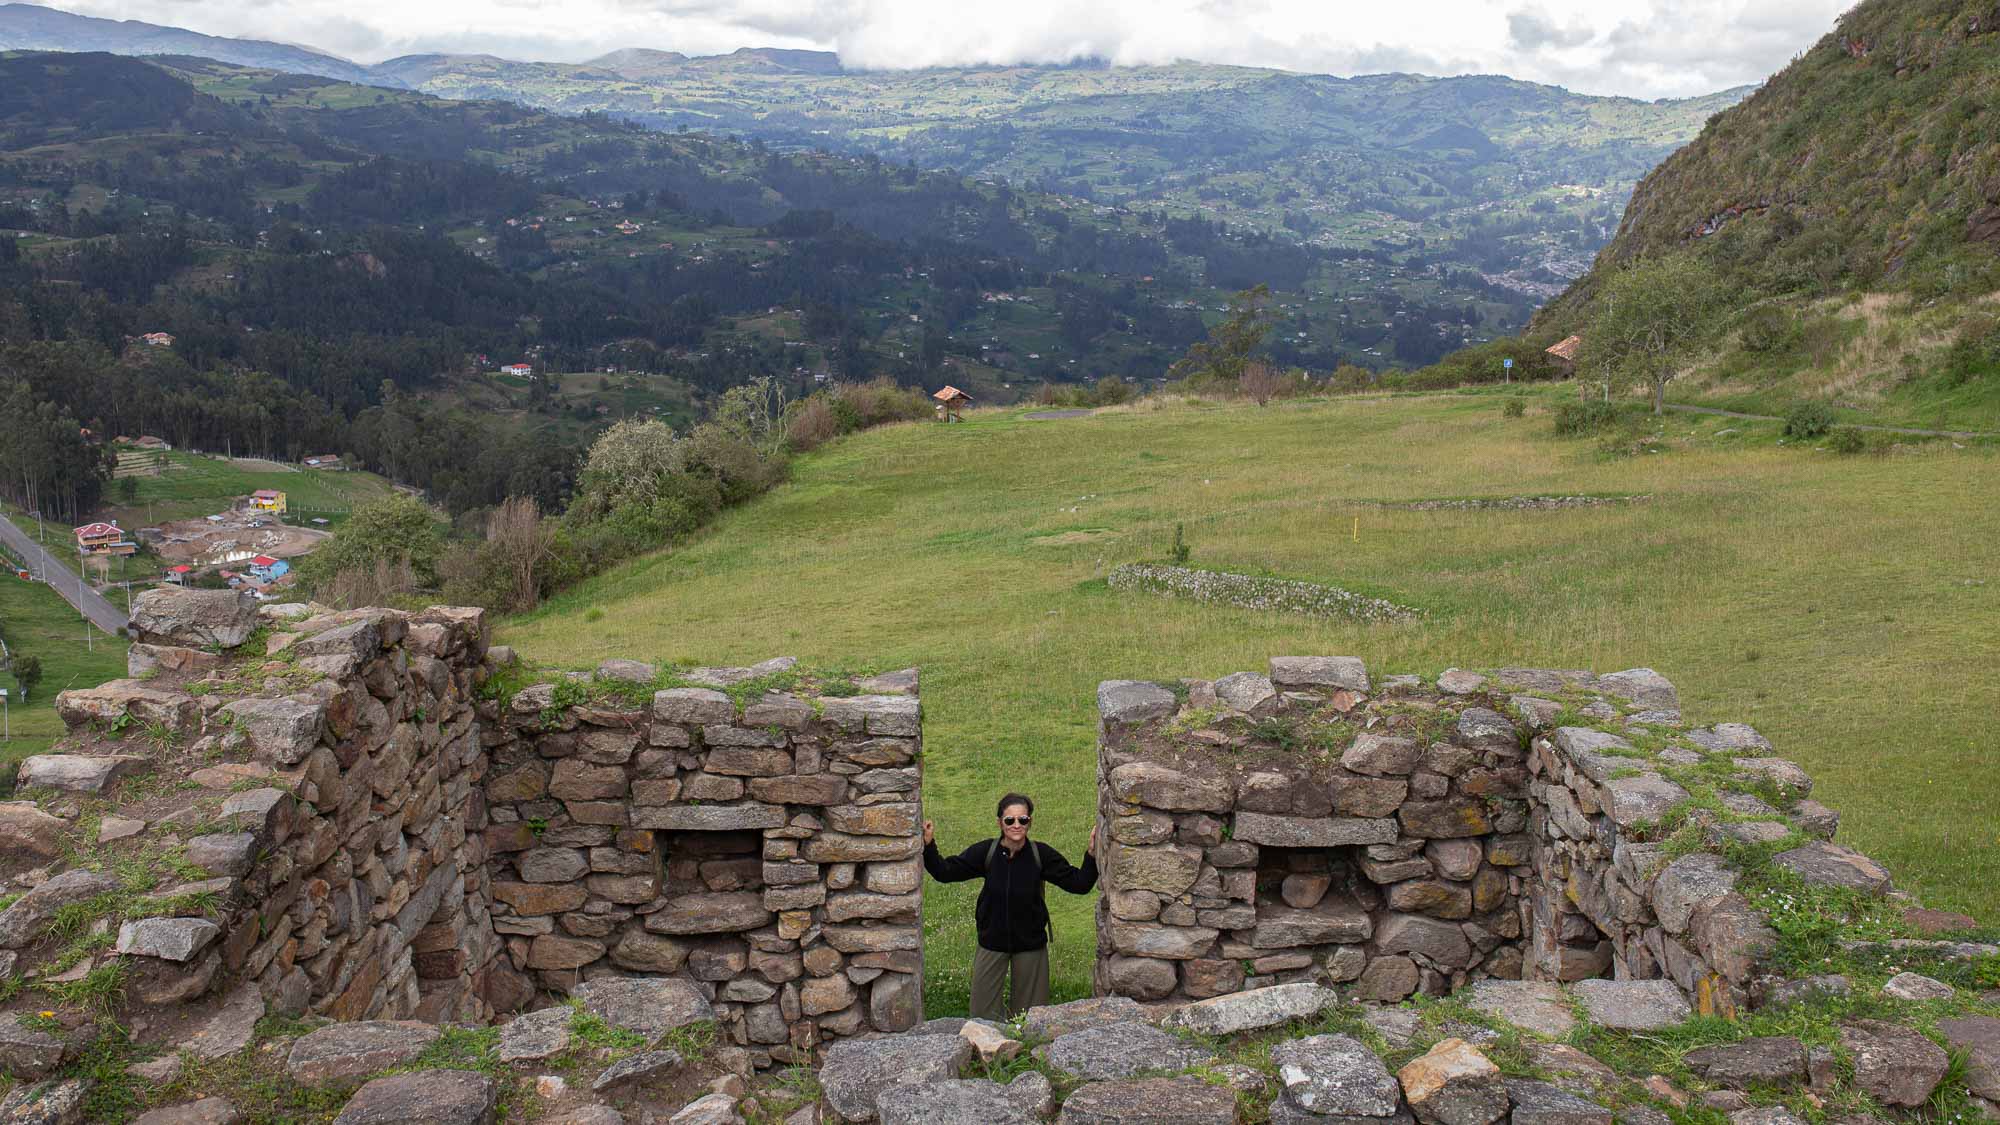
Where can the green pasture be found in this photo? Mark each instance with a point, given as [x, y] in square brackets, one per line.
[1844, 605]
[35, 621]
[194, 485]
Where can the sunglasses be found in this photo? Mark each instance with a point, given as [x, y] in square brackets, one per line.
[1011, 821]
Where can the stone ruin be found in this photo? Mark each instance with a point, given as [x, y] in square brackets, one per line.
[377, 823]
[1310, 825]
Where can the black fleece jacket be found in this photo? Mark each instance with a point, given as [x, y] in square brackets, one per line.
[1010, 914]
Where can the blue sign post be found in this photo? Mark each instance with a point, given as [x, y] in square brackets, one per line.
[1507, 370]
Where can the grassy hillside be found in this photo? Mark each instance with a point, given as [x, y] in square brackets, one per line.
[979, 552]
[1849, 212]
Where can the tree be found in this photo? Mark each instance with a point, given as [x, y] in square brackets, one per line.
[1648, 316]
[1221, 357]
[1258, 382]
[388, 536]
[27, 673]
[521, 538]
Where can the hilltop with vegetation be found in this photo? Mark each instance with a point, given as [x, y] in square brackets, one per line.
[1846, 220]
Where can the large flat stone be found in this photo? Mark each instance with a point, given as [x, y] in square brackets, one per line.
[856, 1071]
[343, 1052]
[1133, 701]
[170, 939]
[1895, 1065]
[175, 615]
[27, 1052]
[1311, 831]
[1346, 672]
[1979, 1038]
[1336, 918]
[1777, 1060]
[1541, 1103]
[1253, 1009]
[1536, 1006]
[430, 1097]
[1052, 1020]
[1633, 1005]
[1335, 1076]
[651, 1006]
[1161, 787]
[75, 773]
[1830, 865]
[1122, 1050]
[1024, 1101]
[30, 914]
[1150, 1101]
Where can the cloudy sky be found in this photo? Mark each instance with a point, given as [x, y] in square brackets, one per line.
[1644, 48]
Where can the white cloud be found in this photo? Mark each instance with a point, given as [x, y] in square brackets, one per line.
[1644, 48]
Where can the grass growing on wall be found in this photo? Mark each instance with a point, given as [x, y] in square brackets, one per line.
[1845, 605]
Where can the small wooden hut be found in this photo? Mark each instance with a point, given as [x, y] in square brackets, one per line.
[1562, 355]
[950, 401]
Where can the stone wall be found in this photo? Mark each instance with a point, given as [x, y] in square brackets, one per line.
[396, 821]
[767, 849]
[1391, 837]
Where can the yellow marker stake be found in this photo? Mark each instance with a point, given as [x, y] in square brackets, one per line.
[1357, 529]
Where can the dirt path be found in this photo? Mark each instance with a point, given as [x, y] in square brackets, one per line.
[1052, 415]
[1720, 413]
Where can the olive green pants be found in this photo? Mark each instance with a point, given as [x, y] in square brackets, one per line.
[990, 971]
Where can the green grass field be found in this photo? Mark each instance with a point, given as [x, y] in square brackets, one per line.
[35, 620]
[197, 486]
[1843, 605]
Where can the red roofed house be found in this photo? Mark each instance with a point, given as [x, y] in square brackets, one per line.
[1563, 354]
[103, 539]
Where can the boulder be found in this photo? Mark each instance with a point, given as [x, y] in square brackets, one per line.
[1252, 1010]
[1895, 1065]
[431, 1097]
[640, 1067]
[1248, 692]
[1454, 1084]
[1979, 1038]
[651, 1006]
[1687, 883]
[1777, 1060]
[1916, 986]
[25, 828]
[1024, 1101]
[540, 1034]
[75, 773]
[283, 731]
[343, 1052]
[1830, 865]
[27, 1052]
[856, 1071]
[1536, 1006]
[709, 1109]
[1122, 1050]
[1344, 672]
[1542, 1103]
[175, 615]
[47, 1102]
[24, 921]
[1133, 701]
[1150, 1101]
[1335, 1076]
[1633, 1005]
[1052, 1020]
[170, 939]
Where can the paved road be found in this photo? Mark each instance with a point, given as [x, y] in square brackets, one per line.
[1874, 429]
[101, 612]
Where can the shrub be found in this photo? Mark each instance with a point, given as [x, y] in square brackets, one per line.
[1574, 419]
[1848, 439]
[1808, 419]
[1515, 408]
[814, 423]
[1181, 550]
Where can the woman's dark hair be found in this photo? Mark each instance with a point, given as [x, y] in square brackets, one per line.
[1014, 799]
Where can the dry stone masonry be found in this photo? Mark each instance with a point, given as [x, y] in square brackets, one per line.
[664, 887]
[1306, 824]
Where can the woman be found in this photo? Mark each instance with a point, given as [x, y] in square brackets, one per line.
[1013, 921]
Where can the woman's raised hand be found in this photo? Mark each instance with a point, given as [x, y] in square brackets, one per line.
[930, 833]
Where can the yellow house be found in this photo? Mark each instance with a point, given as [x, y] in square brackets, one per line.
[268, 500]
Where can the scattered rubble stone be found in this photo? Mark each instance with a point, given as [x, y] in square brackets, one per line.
[1149, 1101]
[430, 1097]
[1454, 1084]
